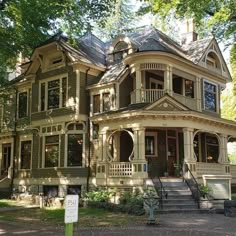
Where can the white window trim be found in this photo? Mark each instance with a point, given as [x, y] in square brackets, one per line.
[43, 150]
[153, 134]
[217, 96]
[60, 77]
[22, 139]
[83, 132]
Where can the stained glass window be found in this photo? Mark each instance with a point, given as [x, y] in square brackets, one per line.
[209, 96]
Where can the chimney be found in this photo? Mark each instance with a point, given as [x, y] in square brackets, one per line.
[189, 34]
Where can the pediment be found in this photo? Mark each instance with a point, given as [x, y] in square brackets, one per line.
[166, 103]
[213, 48]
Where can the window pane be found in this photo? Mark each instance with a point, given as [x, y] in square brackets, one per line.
[22, 105]
[96, 103]
[53, 94]
[42, 97]
[106, 102]
[75, 149]
[189, 88]
[51, 151]
[25, 154]
[149, 145]
[64, 91]
[210, 96]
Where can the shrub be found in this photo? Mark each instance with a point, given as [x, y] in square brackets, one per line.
[99, 196]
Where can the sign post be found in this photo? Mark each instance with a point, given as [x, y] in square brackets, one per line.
[71, 213]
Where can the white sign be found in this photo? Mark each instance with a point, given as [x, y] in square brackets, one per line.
[71, 208]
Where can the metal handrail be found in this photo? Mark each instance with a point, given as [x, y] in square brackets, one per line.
[161, 191]
[195, 192]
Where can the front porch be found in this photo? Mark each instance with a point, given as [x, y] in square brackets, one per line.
[160, 152]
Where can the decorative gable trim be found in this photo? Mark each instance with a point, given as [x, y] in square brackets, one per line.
[213, 47]
[166, 103]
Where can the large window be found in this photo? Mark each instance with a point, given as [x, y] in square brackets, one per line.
[210, 97]
[183, 86]
[212, 149]
[51, 151]
[106, 102]
[75, 144]
[75, 149]
[96, 103]
[22, 104]
[53, 94]
[151, 144]
[120, 50]
[25, 155]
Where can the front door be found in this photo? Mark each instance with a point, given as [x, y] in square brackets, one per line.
[6, 158]
[172, 151]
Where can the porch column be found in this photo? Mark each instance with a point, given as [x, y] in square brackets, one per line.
[168, 81]
[223, 158]
[188, 145]
[198, 93]
[136, 152]
[117, 146]
[138, 85]
[102, 146]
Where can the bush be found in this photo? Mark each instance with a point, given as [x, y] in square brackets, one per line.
[99, 196]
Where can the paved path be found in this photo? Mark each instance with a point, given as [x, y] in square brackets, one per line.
[170, 225]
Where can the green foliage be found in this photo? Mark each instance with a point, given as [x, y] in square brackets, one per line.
[25, 24]
[204, 190]
[99, 196]
[232, 158]
[219, 15]
[121, 20]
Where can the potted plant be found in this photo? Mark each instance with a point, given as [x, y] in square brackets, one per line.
[204, 190]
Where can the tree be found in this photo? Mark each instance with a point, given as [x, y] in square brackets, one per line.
[219, 15]
[24, 24]
[121, 20]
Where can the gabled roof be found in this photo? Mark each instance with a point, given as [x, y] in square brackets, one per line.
[196, 49]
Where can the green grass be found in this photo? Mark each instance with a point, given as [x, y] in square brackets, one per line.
[88, 217]
[8, 203]
[234, 197]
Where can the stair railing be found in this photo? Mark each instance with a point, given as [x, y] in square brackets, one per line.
[160, 190]
[193, 185]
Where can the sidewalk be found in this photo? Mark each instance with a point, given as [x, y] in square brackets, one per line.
[170, 225]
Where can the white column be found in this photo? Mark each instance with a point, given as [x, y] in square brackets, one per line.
[77, 72]
[141, 143]
[198, 93]
[136, 151]
[223, 149]
[138, 85]
[117, 146]
[188, 145]
[168, 81]
[102, 146]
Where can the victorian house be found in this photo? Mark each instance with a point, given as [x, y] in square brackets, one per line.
[117, 114]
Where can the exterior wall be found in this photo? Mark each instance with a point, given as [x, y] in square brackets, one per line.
[126, 87]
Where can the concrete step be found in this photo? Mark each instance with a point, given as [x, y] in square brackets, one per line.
[179, 193]
[177, 197]
[173, 188]
[187, 211]
[178, 201]
[171, 180]
[180, 206]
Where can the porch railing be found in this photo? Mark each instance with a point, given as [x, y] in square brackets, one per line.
[147, 95]
[159, 187]
[121, 169]
[192, 184]
[203, 168]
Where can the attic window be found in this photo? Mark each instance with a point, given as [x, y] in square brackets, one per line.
[120, 50]
[212, 60]
[57, 61]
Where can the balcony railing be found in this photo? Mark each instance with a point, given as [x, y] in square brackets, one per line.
[203, 168]
[120, 169]
[146, 95]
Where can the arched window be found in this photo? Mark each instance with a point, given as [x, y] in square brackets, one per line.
[75, 139]
[120, 50]
[212, 60]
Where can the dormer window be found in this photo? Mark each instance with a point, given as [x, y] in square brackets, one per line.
[213, 61]
[120, 51]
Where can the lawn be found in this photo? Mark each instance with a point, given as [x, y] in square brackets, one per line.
[88, 217]
[9, 203]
